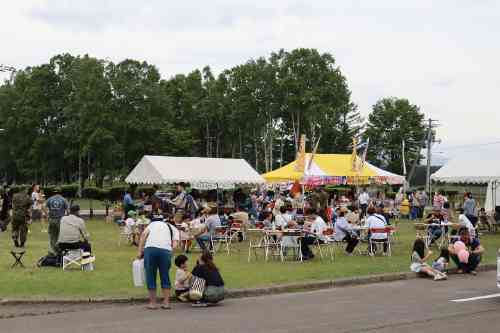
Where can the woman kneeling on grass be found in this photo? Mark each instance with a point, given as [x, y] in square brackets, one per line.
[214, 284]
[418, 262]
[156, 245]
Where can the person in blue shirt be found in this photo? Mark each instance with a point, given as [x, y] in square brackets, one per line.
[57, 207]
[128, 203]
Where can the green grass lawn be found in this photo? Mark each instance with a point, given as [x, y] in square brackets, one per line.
[112, 275]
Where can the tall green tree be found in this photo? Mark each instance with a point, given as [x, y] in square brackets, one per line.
[392, 121]
[315, 99]
[79, 117]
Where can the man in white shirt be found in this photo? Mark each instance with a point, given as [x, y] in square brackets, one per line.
[318, 227]
[280, 221]
[376, 221]
[345, 233]
[314, 228]
[464, 221]
[363, 199]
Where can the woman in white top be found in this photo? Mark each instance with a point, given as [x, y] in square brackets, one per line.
[156, 245]
[376, 221]
[36, 208]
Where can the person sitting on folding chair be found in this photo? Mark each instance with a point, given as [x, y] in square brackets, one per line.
[435, 218]
[73, 234]
[345, 233]
[376, 221]
[314, 228]
[207, 230]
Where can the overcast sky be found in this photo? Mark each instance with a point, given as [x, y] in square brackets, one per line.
[442, 55]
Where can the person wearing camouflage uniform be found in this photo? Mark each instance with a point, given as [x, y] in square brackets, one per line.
[21, 205]
[6, 208]
[57, 207]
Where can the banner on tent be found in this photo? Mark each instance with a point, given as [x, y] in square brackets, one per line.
[205, 186]
[337, 180]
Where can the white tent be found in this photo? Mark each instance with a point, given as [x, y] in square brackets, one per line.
[470, 169]
[492, 196]
[203, 173]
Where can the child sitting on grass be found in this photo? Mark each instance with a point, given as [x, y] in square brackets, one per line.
[418, 262]
[182, 278]
[441, 263]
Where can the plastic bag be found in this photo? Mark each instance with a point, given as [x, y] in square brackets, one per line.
[138, 274]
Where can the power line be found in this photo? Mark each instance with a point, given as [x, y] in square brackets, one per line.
[472, 145]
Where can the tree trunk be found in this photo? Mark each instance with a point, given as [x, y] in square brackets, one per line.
[80, 180]
[271, 142]
[256, 149]
[281, 152]
[233, 150]
[217, 143]
[241, 142]
[264, 148]
[207, 138]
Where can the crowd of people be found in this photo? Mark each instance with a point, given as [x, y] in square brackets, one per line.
[66, 229]
[159, 223]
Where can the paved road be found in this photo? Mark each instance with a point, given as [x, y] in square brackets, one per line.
[403, 306]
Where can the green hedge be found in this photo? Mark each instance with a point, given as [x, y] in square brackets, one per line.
[92, 193]
[69, 191]
[20, 188]
[49, 190]
[116, 193]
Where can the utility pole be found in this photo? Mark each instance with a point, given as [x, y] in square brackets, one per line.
[430, 141]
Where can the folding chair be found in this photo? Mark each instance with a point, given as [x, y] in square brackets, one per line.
[373, 242]
[73, 257]
[221, 237]
[272, 245]
[126, 234]
[18, 255]
[256, 242]
[291, 240]
[236, 228]
[328, 243]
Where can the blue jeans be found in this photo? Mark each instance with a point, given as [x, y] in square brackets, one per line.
[435, 232]
[413, 213]
[155, 260]
[201, 240]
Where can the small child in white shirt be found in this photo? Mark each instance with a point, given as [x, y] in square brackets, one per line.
[441, 263]
[182, 278]
[130, 222]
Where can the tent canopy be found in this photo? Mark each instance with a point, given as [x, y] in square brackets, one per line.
[492, 196]
[200, 172]
[470, 169]
[332, 169]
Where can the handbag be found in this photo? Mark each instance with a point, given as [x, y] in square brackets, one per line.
[138, 274]
[197, 288]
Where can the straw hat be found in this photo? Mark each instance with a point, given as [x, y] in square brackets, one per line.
[209, 208]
